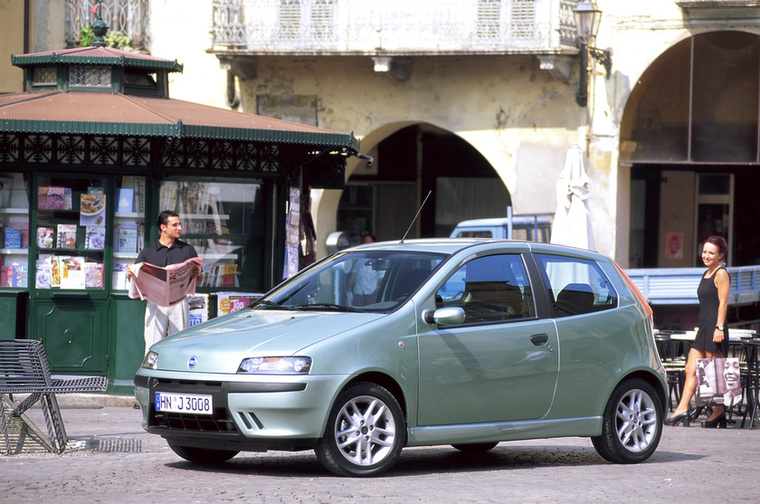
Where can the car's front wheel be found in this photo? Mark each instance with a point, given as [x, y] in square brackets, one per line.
[365, 432]
[632, 423]
[202, 455]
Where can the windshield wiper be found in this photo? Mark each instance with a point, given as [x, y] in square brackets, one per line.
[326, 306]
[272, 304]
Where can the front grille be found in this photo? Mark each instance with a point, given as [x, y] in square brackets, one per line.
[220, 421]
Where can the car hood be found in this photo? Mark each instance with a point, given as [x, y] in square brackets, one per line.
[220, 344]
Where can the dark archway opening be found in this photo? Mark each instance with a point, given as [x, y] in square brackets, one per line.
[410, 163]
[690, 132]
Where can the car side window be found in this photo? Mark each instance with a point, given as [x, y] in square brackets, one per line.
[475, 234]
[489, 289]
[577, 286]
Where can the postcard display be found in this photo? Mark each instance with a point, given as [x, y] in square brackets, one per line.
[72, 229]
[14, 231]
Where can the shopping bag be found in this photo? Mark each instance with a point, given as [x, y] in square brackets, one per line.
[718, 382]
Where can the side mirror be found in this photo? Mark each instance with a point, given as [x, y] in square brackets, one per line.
[451, 315]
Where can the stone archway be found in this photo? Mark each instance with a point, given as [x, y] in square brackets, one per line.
[690, 137]
[412, 159]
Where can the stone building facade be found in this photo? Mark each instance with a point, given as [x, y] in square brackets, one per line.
[476, 102]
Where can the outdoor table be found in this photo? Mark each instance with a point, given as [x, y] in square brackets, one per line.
[752, 382]
[674, 347]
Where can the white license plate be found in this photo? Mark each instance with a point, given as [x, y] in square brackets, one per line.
[198, 404]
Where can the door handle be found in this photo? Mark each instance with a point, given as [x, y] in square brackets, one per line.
[539, 339]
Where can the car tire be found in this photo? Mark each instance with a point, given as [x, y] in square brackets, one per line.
[632, 423]
[475, 447]
[365, 433]
[202, 455]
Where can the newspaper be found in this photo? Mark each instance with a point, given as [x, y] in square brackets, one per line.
[163, 286]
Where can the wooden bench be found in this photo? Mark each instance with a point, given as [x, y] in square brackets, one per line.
[24, 371]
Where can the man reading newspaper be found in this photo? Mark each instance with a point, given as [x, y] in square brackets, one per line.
[164, 274]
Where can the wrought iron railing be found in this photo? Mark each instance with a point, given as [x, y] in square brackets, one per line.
[130, 17]
[393, 26]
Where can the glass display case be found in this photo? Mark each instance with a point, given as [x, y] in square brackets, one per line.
[70, 233]
[224, 221]
[14, 231]
[78, 223]
[129, 226]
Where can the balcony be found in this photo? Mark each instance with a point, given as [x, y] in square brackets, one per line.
[128, 18]
[720, 10]
[393, 27]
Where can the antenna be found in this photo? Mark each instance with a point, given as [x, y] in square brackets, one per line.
[415, 217]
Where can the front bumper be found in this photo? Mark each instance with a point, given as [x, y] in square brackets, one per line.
[251, 413]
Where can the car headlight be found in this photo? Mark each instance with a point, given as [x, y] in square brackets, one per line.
[150, 361]
[275, 365]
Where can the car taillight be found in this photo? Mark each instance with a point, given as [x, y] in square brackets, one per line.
[636, 291]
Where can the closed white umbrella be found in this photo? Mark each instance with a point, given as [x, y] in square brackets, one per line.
[572, 224]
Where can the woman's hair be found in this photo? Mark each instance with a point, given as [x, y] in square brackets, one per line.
[719, 242]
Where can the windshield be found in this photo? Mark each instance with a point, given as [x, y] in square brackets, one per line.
[377, 280]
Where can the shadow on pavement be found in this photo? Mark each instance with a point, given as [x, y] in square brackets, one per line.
[419, 461]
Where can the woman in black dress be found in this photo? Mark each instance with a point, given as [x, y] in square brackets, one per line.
[712, 334]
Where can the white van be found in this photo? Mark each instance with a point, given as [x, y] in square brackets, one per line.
[524, 227]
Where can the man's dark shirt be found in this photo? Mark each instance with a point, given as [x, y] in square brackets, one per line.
[158, 255]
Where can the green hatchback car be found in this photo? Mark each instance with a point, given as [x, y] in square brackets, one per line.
[467, 342]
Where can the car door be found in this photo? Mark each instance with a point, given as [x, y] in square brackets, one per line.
[592, 332]
[501, 364]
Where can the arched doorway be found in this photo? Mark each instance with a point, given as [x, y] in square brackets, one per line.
[690, 133]
[411, 162]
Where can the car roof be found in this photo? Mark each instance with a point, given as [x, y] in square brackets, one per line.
[504, 221]
[451, 246]
[438, 245]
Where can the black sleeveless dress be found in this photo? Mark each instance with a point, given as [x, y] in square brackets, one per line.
[707, 293]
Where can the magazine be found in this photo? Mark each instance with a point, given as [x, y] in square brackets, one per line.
[163, 286]
[20, 274]
[96, 237]
[45, 237]
[228, 302]
[125, 236]
[55, 273]
[44, 271]
[93, 275]
[125, 200]
[42, 275]
[12, 238]
[23, 228]
[67, 236]
[72, 272]
[6, 276]
[198, 308]
[120, 276]
[92, 208]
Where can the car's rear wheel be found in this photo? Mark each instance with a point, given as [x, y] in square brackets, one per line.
[475, 447]
[202, 455]
[632, 423]
[365, 432]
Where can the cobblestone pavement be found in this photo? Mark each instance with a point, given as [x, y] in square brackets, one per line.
[111, 459]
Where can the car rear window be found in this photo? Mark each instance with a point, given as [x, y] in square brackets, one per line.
[577, 286]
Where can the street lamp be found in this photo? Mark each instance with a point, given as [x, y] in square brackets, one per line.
[587, 17]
